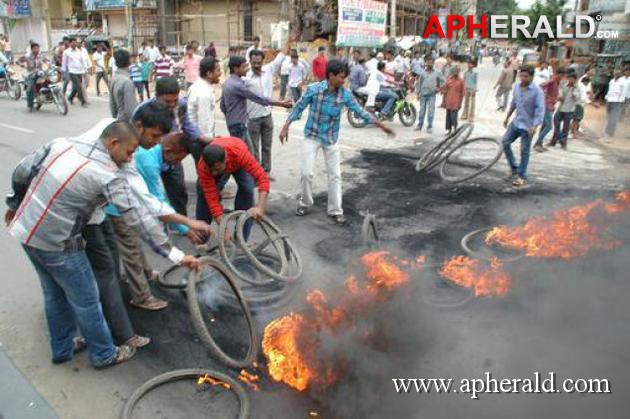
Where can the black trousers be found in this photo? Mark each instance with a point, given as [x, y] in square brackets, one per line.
[102, 253]
[175, 186]
[451, 119]
[77, 89]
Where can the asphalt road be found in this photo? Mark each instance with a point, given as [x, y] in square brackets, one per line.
[419, 213]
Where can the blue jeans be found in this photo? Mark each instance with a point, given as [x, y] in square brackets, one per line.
[30, 89]
[546, 127]
[389, 98]
[510, 136]
[426, 101]
[239, 130]
[71, 298]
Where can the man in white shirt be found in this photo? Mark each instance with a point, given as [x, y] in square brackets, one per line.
[614, 102]
[255, 45]
[98, 61]
[201, 100]
[371, 64]
[152, 52]
[75, 65]
[259, 79]
[543, 73]
[297, 72]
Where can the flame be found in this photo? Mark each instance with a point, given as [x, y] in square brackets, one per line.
[206, 379]
[252, 380]
[485, 279]
[566, 234]
[290, 343]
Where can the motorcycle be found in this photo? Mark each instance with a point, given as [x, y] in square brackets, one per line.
[48, 89]
[10, 83]
[404, 108]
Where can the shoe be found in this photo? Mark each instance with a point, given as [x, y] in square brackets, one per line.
[511, 177]
[137, 341]
[539, 148]
[550, 145]
[300, 210]
[153, 276]
[80, 344]
[339, 218]
[123, 353]
[418, 128]
[84, 105]
[151, 303]
[500, 108]
[519, 182]
[429, 130]
[563, 146]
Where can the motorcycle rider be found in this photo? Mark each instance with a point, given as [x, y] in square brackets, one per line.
[379, 88]
[33, 63]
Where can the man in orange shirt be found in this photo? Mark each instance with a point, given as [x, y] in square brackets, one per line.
[319, 64]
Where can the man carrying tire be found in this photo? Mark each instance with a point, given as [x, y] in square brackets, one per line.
[230, 156]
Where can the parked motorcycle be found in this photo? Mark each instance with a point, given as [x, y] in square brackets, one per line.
[48, 89]
[406, 111]
[10, 83]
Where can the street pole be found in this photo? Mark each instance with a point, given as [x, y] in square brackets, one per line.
[129, 19]
[392, 20]
[48, 26]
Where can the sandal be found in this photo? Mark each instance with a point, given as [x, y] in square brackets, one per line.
[339, 218]
[300, 211]
[138, 341]
[151, 303]
[80, 344]
[123, 353]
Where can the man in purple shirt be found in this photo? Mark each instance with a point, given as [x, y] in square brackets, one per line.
[528, 100]
[234, 100]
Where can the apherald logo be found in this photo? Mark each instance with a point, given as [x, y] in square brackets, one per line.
[499, 24]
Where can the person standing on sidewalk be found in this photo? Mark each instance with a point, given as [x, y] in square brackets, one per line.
[551, 89]
[321, 131]
[74, 64]
[528, 101]
[297, 74]
[615, 99]
[135, 72]
[260, 123]
[570, 97]
[122, 100]
[234, 100]
[190, 64]
[98, 60]
[319, 64]
[163, 64]
[504, 86]
[428, 85]
[470, 83]
[453, 90]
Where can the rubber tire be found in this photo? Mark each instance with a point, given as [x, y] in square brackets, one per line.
[411, 118]
[356, 122]
[235, 386]
[199, 325]
[432, 158]
[479, 255]
[14, 90]
[280, 276]
[369, 226]
[60, 102]
[227, 258]
[496, 158]
[470, 294]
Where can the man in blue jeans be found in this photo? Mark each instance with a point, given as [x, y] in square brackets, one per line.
[55, 191]
[427, 86]
[528, 100]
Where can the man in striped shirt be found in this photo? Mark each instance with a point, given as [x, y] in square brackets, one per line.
[135, 72]
[57, 188]
[163, 65]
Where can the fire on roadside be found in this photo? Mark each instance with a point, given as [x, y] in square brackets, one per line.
[568, 233]
[206, 379]
[252, 380]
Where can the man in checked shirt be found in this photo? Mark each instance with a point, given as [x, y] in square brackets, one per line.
[326, 99]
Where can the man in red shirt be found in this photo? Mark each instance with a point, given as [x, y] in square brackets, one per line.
[319, 64]
[551, 89]
[227, 156]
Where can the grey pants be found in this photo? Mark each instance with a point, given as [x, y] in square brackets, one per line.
[100, 248]
[261, 133]
[613, 111]
[503, 95]
[134, 262]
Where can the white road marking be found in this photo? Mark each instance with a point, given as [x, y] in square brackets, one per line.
[16, 128]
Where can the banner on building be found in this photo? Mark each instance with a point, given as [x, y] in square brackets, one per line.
[93, 5]
[15, 8]
[361, 23]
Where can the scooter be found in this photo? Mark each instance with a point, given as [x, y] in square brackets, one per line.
[47, 89]
[9, 82]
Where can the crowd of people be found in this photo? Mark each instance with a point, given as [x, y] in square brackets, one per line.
[133, 161]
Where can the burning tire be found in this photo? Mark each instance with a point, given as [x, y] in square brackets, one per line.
[369, 232]
[141, 391]
[432, 158]
[291, 262]
[486, 149]
[196, 316]
[441, 293]
[486, 252]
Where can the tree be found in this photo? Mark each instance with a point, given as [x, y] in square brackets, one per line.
[497, 7]
[549, 8]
